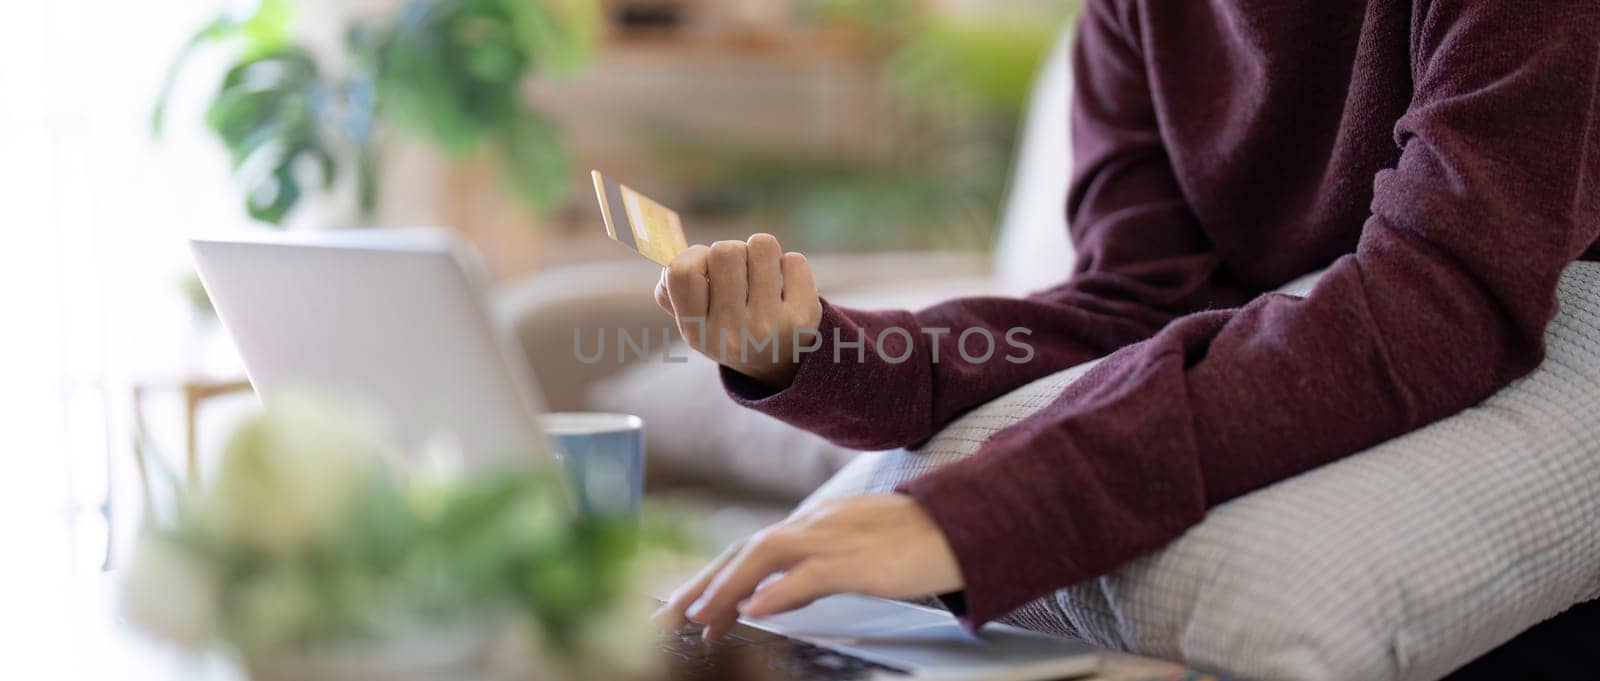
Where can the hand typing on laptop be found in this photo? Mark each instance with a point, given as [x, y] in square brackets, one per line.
[723, 296]
[880, 545]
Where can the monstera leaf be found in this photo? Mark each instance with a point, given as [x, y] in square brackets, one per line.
[452, 71]
[267, 113]
[261, 29]
[448, 71]
[533, 159]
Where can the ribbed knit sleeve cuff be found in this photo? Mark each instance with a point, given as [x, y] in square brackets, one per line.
[846, 390]
[1006, 553]
[813, 378]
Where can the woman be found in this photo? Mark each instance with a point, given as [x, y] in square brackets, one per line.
[1440, 158]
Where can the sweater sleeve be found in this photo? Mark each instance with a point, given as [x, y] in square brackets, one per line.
[1444, 302]
[884, 379]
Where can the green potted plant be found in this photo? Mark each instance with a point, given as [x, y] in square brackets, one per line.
[316, 553]
[449, 72]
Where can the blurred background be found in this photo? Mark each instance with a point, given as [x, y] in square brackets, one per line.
[853, 127]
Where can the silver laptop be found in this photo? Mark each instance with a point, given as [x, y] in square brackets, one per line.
[398, 319]
[392, 318]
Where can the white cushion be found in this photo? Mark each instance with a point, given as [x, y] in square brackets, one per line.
[1405, 561]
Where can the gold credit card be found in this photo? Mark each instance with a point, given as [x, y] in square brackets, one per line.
[635, 221]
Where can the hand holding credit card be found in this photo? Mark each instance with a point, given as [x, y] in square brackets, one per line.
[747, 305]
[635, 221]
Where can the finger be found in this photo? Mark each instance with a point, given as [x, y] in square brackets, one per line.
[663, 299]
[766, 283]
[764, 554]
[796, 589]
[800, 301]
[688, 290]
[726, 315]
[798, 284]
[727, 268]
[671, 613]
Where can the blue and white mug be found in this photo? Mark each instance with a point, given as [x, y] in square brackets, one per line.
[603, 455]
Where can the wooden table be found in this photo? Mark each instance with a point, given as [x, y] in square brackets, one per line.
[196, 390]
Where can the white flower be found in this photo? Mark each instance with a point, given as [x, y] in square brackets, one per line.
[522, 651]
[169, 592]
[440, 461]
[621, 641]
[290, 474]
[272, 610]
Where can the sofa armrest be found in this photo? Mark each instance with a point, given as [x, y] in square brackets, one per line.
[546, 311]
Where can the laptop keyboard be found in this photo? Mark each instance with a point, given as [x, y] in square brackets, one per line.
[749, 653]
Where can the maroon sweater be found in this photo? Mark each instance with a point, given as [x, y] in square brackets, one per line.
[1442, 160]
